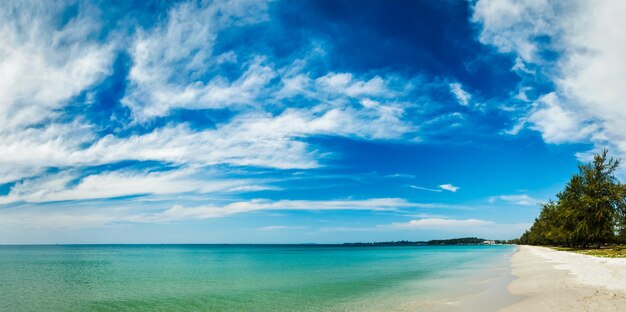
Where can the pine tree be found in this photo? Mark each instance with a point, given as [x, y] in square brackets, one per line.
[601, 195]
[590, 211]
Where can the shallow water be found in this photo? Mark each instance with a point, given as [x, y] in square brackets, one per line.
[243, 277]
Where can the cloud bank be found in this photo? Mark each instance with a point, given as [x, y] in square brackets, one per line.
[577, 47]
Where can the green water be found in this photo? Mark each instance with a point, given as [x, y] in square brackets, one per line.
[238, 277]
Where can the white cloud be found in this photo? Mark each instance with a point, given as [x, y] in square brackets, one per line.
[442, 187]
[67, 215]
[178, 212]
[37, 219]
[236, 143]
[424, 188]
[461, 95]
[250, 139]
[449, 187]
[349, 229]
[281, 228]
[462, 227]
[518, 199]
[514, 26]
[42, 64]
[255, 139]
[294, 85]
[519, 126]
[556, 124]
[589, 69]
[28, 151]
[162, 77]
[70, 186]
[170, 59]
[400, 175]
[439, 223]
[345, 84]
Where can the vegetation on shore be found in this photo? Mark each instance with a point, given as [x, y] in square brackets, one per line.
[589, 212]
[453, 241]
[615, 251]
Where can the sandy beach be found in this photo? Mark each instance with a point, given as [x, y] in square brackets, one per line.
[553, 280]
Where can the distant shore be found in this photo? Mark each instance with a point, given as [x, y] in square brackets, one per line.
[554, 280]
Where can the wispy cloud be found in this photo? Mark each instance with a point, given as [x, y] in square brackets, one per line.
[442, 187]
[204, 212]
[461, 95]
[168, 59]
[71, 186]
[583, 101]
[173, 67]
[556, 123]
[44, 64]
[465, 227]
[400, 175]
[518, 199]
[347, 229]
[424, 188]
[102, 213]
[438, 223]
[449, 187]
[281, 228]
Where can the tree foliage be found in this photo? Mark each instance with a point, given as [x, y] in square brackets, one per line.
[590, 211]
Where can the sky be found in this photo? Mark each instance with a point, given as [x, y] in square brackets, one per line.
[299, 121]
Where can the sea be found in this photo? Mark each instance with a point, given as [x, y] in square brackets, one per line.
[254, 278]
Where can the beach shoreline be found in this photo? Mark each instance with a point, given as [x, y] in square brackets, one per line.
[552, 280]
[493, 294]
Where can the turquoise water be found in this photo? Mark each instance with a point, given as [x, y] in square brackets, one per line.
[241, 277]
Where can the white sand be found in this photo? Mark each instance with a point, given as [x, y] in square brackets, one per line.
[564, 281]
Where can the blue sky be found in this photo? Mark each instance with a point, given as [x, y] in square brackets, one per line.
[295, 122]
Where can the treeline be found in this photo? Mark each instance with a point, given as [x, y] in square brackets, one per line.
[453, 241]
[457, 241]
[392, 243]
[590, 211]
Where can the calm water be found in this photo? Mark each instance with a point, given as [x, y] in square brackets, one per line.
[241, 277]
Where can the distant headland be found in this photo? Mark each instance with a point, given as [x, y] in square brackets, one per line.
[453, 241]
